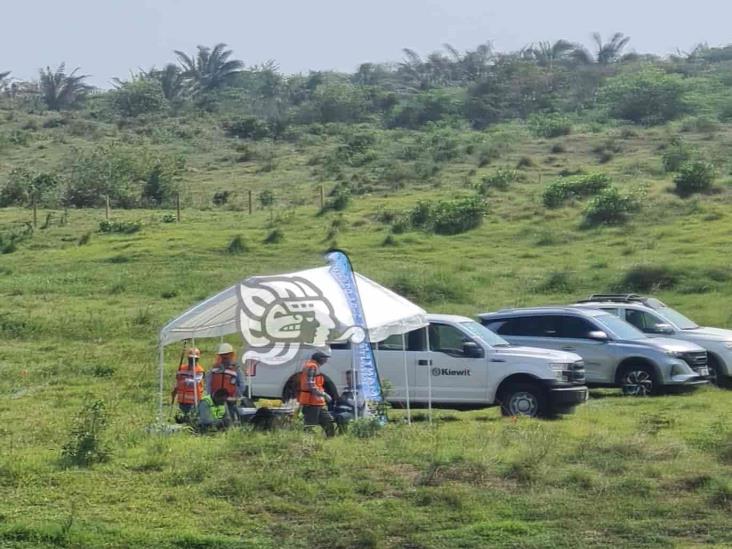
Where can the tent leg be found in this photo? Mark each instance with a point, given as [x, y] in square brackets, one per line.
[161, 368]
[429, 379]
[406, 379]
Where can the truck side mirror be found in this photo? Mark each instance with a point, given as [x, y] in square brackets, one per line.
[472, 350]
[598, 335]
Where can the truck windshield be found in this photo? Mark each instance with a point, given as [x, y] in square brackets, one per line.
[483, 333]
[677, 318]
[619, 328]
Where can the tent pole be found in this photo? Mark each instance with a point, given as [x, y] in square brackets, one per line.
[406, 379]
[195, 381]
[429, 376]
[161, 365]
[354, 378]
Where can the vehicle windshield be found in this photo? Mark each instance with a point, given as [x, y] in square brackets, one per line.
[619, 328]
[483, 333]
[677, 318]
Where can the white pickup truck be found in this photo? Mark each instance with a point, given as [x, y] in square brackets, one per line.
[466, 365]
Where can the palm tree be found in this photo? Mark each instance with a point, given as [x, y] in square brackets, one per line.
[209, 69]
[546, 54]
[60, 90]
[606, 52]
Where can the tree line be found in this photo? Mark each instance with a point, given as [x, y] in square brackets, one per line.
[481, 86]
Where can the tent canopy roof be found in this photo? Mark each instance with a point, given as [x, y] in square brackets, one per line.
[386, 313]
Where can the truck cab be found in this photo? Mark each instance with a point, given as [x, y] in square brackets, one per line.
[454, 362]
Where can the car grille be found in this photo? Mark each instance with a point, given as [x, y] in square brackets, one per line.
[695, 360]
[576, 373]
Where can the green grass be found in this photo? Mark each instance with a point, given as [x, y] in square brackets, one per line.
[80, 322]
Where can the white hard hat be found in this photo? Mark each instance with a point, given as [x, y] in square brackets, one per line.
[225, 349]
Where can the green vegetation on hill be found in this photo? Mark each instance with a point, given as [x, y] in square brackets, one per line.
[435, 175]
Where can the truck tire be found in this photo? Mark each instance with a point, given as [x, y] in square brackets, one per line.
[524, 399]
[638, 380]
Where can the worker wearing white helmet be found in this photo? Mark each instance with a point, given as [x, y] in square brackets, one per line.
[225, 374]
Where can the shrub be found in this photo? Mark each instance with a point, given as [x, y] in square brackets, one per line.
[85, 445]
[9, 240]
[169, 218]
[237, 246]
[221, 197]
[550, 125]
[84, 239]
[138, 97]
[610, 207]
[677, 154]
[647, 278]
[365, 427]
[499, 180]
[338, 201]
[449, 216]
[274, 237]
[557, 282]
[694, 177]
[422, 287]
[649, 96]
[247, 127]
[578, 186]
[123, 227]
[23, 186]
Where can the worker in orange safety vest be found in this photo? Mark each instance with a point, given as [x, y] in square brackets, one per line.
[312, 395]
[188, 388]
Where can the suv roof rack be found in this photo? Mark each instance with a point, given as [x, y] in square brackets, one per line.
[620, 298]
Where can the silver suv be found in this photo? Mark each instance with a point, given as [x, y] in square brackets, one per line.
[616, 354]
[656, 319]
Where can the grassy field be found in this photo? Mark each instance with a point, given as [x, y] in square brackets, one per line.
[81, 310]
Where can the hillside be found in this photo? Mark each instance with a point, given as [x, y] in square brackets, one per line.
[448, 212]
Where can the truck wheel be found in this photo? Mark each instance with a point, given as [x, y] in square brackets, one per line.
[639, 381]
[715, 375]
[523, 399]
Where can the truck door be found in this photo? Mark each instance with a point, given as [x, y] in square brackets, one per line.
[454, 374]
[390, 356]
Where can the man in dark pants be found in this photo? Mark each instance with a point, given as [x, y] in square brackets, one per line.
[312, 396]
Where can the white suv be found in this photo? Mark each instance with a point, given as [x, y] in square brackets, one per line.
[466, 365]
[656, 319]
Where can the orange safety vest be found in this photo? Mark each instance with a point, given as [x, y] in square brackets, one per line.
[304, 396]
[189, 384]
[224, 378]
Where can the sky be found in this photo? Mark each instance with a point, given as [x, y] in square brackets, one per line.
[109, 38]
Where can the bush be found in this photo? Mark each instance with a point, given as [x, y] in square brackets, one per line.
[610, 207]
[694, 177]
[677, 154]
[85, 446]
[425, 288]
[559, 282]
[338, 201]
[274, 237]
[499, 180]
[449, 216]
[550, 125]
[578, 186]
[647, 278]
[248, 127]
[649, 96]
[221, 197]
[123, 227]
[138, 97]
[237, 246]
[23, 186]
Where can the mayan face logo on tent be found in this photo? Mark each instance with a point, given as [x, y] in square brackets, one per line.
[278, 315]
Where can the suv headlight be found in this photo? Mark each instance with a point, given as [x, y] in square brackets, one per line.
[675, 354]
[728, 344]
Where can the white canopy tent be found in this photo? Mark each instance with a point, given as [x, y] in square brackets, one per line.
[386, 313]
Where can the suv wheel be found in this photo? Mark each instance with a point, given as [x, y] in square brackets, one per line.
[638, 381]
[523, 399]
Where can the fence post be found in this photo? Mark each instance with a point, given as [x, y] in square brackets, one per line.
[249, 193]
[322, 197]
[177, 207]
[106, 207]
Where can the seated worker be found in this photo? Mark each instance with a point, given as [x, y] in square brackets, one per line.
[188, 386]
[226, 375]
[213, 413]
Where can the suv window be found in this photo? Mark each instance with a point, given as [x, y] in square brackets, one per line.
[642, 320]
[531, 326]
[447, 339]
[574, 327]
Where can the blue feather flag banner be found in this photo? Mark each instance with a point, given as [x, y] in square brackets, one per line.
[364, 361]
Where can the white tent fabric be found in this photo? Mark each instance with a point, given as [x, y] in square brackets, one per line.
[386, 313]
